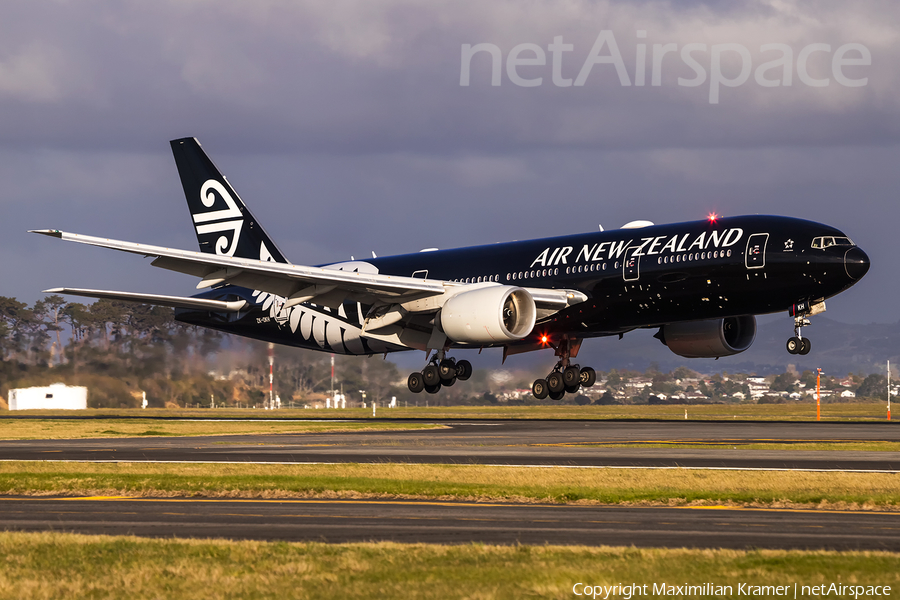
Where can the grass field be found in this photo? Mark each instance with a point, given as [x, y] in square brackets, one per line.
[861, 411]
[867, 491]
[56, 565]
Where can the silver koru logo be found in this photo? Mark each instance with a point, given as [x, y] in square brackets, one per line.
[225, 220]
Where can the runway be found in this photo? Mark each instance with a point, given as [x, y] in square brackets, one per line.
[522, 442]
[456, 522]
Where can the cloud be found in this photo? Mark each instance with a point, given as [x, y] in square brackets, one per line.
[344, 124]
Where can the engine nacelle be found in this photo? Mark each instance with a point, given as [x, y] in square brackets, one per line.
[494, 314]
[711, 338]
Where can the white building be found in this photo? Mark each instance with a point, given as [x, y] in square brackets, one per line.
[58, 396]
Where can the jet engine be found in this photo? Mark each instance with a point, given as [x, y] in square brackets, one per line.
[498, 313]
[711, 338]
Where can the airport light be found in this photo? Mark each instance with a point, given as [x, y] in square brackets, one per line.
[818, 394]
[271, 375]
[889, 388]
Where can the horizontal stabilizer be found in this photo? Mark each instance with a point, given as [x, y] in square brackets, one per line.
[172, 301]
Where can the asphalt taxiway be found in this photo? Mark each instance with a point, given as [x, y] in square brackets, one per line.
[455, 522]
[522, 442]
[553, 443]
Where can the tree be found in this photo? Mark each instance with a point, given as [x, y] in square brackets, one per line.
[684, 373]
[873, 386]
[783, 383]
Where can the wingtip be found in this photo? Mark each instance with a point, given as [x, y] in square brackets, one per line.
[54, 291]
[50, 232]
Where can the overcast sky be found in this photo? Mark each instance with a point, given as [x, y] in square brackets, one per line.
[345, 127]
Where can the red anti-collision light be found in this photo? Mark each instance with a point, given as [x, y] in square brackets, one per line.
[712, 217]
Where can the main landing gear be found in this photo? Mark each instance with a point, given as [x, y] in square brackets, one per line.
[564, 377]
[439, 372]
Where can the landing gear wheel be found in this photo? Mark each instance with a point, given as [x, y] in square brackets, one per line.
[431, 375]
[588, 377]
[415, 383]
[463, 370]
[448, 382]
[805, 346]
[539, 389]
[447, 369]
[794, 344]
[556, 384]
[433, 389]
[557, 395]
[571, 389]
[571, 377]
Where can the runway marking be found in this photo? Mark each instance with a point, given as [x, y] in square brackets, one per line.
[440, 503]
[793, 510]
[310, 463]
[706, 442]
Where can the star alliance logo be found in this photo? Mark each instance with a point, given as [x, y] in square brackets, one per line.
[789, 245]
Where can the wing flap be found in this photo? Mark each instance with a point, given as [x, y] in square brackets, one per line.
[156, 299]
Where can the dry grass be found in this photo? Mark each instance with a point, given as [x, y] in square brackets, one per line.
[54, 565]
[866, 491]
[864, 411]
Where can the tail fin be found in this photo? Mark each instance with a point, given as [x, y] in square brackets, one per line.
[223, 223]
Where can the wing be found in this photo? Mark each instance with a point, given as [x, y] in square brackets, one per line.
[297, 283]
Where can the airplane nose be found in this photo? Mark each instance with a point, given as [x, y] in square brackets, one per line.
[856, 263]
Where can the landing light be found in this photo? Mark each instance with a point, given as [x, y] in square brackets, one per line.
[544, 339]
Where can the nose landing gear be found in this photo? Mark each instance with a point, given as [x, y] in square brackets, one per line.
[438, 373]
[801, 313]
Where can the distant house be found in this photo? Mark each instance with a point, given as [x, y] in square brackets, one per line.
[58, 396]
[848, 394]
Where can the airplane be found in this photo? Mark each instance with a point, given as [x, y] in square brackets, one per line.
[699, 283]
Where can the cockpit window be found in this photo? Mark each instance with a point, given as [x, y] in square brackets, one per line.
[826, 241]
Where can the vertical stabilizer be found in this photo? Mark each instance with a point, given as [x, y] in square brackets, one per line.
[223, 224]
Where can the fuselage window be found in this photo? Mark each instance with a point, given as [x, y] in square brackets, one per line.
[729, 253]
[604, 266]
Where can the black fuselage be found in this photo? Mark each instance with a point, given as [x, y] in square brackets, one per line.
[642, 277]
